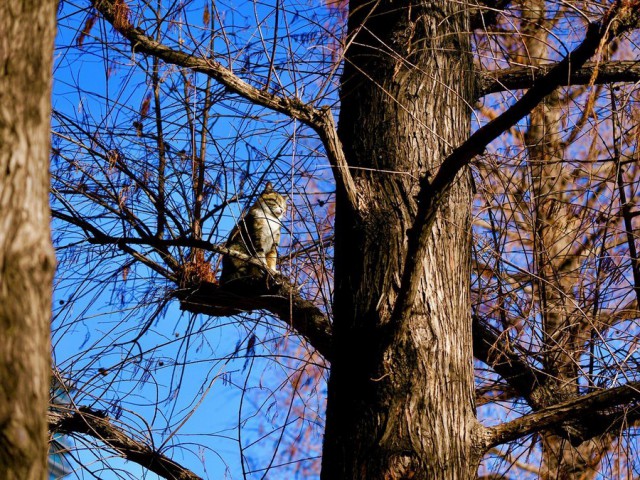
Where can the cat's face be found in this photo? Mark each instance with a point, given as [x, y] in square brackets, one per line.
[275, 202]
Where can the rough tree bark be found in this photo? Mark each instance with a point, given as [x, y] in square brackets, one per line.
[27, 261]
[400, 399]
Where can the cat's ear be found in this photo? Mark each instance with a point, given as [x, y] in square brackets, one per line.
[268, 188]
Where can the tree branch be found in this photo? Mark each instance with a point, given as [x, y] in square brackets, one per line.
[621, 17]
[524, 77]
[93, 233]
[321, 120]
[272, 293]
[95, 424]
[592, 406]
[533, 385]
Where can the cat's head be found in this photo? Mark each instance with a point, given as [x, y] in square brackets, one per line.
[275, 202]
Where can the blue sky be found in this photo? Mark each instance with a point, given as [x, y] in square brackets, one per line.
[184, 377]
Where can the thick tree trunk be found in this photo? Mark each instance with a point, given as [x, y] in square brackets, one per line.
[26, 257]
[400, 401]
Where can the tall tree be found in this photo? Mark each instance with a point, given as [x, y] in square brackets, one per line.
[27, 30]
[400, 344]
[483, 190]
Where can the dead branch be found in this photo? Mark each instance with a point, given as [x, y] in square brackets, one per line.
[90, 422]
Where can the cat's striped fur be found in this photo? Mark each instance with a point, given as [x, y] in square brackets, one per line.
[257, 235]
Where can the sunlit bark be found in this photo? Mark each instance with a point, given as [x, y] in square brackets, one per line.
[26, 256]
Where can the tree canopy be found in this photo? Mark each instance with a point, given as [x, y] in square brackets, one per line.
[482, 154]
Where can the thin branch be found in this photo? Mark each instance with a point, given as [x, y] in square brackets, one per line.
[95, 424]
[583, 409]
[625, 206]
[524, 77]
[321, 120]
[162, 157]
[93, 232]
[620, 18]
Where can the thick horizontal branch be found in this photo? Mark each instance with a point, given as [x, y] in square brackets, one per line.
[95, 424]
[619, 19]
[321, 120]
[272, 293]
[582, 409]
[275, 295]
[531, 384]
[523, 77]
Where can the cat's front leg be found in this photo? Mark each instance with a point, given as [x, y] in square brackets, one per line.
[261, 255]
[272, 256]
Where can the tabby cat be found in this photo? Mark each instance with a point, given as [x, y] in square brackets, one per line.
[257, 235]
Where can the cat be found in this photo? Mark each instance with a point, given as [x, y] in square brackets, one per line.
[257, 235]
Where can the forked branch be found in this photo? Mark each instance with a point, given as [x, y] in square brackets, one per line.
[623, 16]
[618, 401]
[489, 348]
[274, 293]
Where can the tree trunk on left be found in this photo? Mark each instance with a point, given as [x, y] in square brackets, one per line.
[27, 261]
